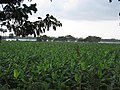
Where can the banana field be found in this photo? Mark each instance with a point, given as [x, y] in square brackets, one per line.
[59, 66]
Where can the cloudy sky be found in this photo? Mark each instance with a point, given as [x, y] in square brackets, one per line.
[81, 18]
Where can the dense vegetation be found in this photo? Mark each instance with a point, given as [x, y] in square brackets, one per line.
[59, 66]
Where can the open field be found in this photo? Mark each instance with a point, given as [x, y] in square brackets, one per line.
[59, 66]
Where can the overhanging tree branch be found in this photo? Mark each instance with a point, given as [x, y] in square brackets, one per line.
[112, 0]
[15, 17]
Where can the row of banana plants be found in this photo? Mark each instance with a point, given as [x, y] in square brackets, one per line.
[59, 66]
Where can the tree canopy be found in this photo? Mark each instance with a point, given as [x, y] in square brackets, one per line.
[112, 0]
[14, 15]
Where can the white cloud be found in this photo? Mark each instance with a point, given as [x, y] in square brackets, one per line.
[81, 18]
[79, 9]
[69, 4]
[104, 29]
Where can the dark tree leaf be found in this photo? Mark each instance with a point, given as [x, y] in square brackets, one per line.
[54, 27]
[38, 32]
[110, 0]
[39, 18]
[33, 7]
[51, 17]
[4, 23]
[47, 15]
[43, 30]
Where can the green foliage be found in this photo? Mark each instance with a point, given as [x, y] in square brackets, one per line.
[11, 2]
[0, 39]
[14, 16]
[16, 73]
[59, 66]
[92, 39]
[112, 0]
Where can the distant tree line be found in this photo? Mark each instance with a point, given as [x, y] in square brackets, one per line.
[69, 38]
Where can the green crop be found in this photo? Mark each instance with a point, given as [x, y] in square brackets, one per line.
[59, 66]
